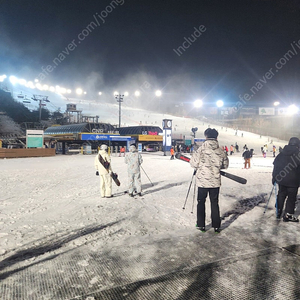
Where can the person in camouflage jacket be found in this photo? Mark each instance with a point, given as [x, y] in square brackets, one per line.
[208, 161]
[133, 159]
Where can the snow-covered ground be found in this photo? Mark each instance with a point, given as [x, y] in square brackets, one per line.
[56, 230]
[45, 197]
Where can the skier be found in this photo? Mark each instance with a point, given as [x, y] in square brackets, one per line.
[231, 149]
[264, 151]
[209, 160]
[122, 150]
[172, 153]
[134, 159]
[105, 178]
[226, 150]
[286, 173]
[274, 150]
[247, 156]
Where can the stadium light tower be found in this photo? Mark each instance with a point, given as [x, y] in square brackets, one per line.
[119, 99]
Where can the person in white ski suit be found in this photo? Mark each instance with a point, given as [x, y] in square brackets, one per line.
[105, 178]
[208, 161]
[133, 159]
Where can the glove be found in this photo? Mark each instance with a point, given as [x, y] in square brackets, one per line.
[273, 180]
[97, 173]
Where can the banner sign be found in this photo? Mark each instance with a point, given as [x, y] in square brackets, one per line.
[267, 111]
[95, 137]
[104, 137]
[157, 138]
[34, 138]
[282, 111]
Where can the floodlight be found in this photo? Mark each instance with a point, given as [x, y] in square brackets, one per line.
[45, 87]
[13, 79]
[137, 93]
[2, 77]
[51, 88]
[276, 103]
[220, 103]
[292, 109]
[69, 91]
[126, 94]
[198, 103]
[158, 93]
[116, 93]
[79, 91]
[100, 93]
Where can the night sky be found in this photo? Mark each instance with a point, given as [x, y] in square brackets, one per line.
[131, 41]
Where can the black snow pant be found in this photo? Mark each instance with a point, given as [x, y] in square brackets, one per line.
[291, 194]
[214, 204]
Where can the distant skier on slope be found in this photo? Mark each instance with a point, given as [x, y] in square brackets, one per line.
[172, 153]
[286, 173]
[247, 156]
[209, 160]
[134, 160]
[105, 178]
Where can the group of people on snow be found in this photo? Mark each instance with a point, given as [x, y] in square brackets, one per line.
[133, 159]
[208, 160]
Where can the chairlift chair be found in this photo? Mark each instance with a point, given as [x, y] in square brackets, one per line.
[21, 96]
[26, 100]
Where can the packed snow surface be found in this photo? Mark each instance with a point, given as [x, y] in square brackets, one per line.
[48, 197]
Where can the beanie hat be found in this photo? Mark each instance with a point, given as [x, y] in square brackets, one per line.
[211, 133]
[103, 147]
[294, 141]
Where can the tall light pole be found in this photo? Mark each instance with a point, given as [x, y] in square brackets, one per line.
[119, 99]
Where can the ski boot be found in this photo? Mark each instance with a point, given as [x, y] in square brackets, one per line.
[200, 228]
[290, 218]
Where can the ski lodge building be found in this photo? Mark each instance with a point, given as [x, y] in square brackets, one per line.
[72, 137]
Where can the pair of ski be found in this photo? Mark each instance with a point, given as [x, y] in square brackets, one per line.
[225, 174]
[106, 165]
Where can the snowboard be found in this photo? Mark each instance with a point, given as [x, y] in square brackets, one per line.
[106, 165]
[225, 174]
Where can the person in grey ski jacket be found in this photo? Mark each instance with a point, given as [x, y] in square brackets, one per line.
[208, 161]
[133, 159]
[105, 178]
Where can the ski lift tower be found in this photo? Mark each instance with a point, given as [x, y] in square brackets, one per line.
[42, 99]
